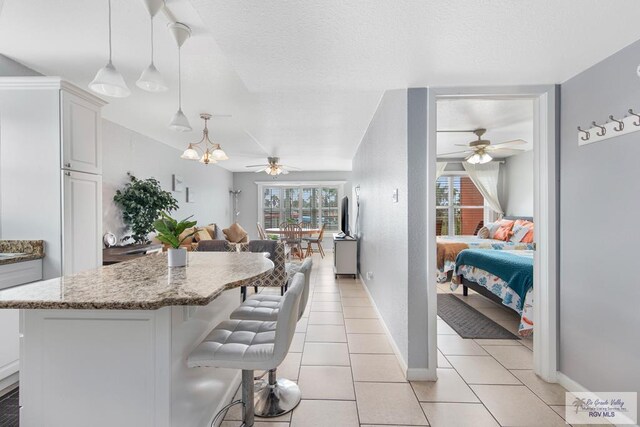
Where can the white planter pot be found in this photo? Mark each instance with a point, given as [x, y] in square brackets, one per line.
[177, 257]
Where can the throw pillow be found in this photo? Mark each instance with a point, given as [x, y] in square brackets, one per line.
[211, 229]
[202, 234]
[235, 233]
[483, 233]
[503, 231]
[185, 233]
[518, 232]
[528, 237]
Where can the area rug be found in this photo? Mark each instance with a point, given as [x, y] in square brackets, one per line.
[469, 322]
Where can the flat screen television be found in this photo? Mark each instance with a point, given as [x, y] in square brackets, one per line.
[345, 216]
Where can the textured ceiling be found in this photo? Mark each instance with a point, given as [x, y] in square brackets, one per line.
[302, 79]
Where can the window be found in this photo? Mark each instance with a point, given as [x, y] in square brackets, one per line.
[316, 204]
[459, 206]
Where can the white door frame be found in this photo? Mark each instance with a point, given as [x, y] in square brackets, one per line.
[545, 187]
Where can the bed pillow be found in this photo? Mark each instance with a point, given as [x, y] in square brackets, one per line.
[518, 232]
[503, 230]
[528, 237]
[483, 233]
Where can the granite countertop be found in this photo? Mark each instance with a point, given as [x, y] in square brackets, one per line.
[13, 251]
[142, 284]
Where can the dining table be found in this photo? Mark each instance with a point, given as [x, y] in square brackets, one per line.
[281, 231]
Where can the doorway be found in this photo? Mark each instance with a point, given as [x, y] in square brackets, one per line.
[544, 120]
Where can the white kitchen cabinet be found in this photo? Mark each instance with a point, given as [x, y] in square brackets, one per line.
[81, 134]
[49, 127]
[13, 275]
[82, 216]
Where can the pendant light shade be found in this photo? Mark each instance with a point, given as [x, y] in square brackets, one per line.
[207, 158]
[108, 81]
[479, 158]
[218, 153]
[151, 80]
[190, 154]
[179, 122]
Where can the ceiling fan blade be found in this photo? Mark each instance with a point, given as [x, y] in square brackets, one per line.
[456, 152]
[292, 168]
[260, 170]
[512, 142]
[506, 151]
[461, 145]
[456, 131]
[284, 172]
[256, 166]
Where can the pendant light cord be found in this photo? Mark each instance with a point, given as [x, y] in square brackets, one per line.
[179, 79]
[151, 40]
[109, 31]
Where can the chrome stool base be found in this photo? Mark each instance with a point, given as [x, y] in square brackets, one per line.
[275, 397]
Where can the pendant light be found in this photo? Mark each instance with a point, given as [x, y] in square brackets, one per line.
[108, 81]
[151, 80]
[211, 151]
[181, 33]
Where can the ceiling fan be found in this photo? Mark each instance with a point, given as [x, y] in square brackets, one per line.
[273, 167]
[479, 149]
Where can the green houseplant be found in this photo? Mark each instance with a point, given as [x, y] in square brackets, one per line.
[141, 202]
[169, 231]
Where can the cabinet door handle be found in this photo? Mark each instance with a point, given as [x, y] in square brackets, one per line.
[67, 173]
[67, 165]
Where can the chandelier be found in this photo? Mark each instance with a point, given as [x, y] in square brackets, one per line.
[205, 150]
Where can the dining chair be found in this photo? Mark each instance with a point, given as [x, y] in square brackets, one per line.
[261, 233]
[317, 240]
[293, 237]
[306, 225]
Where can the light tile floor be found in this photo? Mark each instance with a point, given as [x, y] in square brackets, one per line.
[349, 376]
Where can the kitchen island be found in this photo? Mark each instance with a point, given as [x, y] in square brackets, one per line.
[108, 347]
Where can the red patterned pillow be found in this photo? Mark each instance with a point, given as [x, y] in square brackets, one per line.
[503, 230]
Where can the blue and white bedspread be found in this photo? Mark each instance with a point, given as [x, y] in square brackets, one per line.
[500, 287]
[475, 242]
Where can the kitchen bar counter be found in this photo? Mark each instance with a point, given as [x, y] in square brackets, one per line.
[144, 283]
[14, 251]
[108, 347]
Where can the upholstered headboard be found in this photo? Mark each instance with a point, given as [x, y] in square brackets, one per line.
[513, 217]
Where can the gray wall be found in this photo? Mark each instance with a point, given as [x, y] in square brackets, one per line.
[10, 68]
[127, 151]
[599, 197]
[379, 167]
[248, 199]
[517, 185]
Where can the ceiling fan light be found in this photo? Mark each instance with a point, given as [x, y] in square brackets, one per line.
[207, 158]
[151, 80]
[219, 154]
[473, 159]
[190, 154]
[179, 122]
[485, 158]
[109, 82]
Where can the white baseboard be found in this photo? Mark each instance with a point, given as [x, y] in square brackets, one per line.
[394, 346]
[572, 385]
[9, 383]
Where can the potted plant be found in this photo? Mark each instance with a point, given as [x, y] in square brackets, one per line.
[142, 201]
[169, 231]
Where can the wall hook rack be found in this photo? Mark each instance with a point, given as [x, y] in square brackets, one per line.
[611, 129]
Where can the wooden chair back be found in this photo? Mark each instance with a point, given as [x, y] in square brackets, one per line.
[321, 234]
[306, 225]
[261, 233]
[293, 232]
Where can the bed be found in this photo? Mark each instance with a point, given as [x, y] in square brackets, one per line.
[505, 277]
[448, 248]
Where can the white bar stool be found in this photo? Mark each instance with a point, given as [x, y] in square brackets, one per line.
[251, 345]
[275, 396]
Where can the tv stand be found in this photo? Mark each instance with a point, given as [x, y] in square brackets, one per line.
[345, 256]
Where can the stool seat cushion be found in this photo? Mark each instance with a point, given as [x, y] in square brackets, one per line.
[258, 307]
[237, 344]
